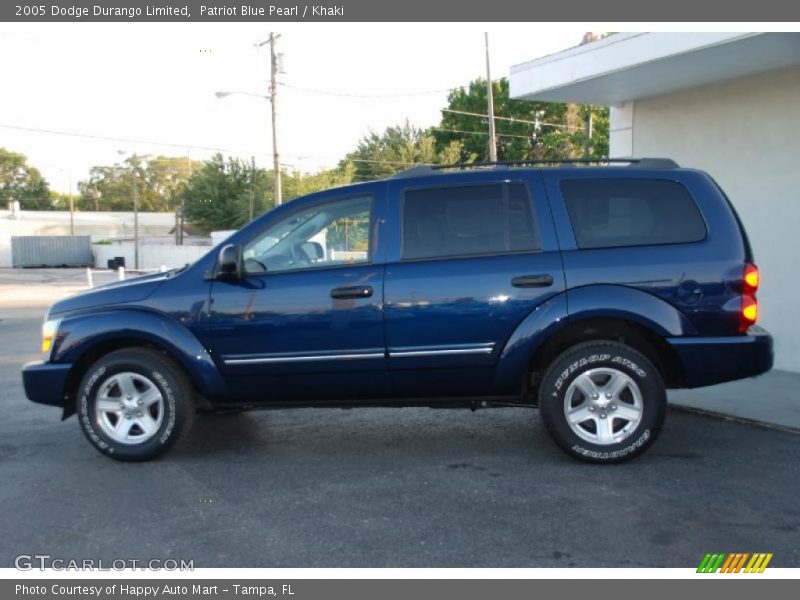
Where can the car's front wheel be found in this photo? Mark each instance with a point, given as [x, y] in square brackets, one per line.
[133, 404]
[602, 402]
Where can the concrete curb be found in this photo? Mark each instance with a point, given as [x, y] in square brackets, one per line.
[742, 420]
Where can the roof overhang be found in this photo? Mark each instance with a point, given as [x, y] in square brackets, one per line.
[628, 66]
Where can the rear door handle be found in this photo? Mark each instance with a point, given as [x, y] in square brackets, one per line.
[531, 281]
[354, 291]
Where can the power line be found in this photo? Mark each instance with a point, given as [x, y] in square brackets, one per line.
[228, 150]
[381, 162]
[512, 119]
[369, 96]
[509, 135]
[181, 146]
[108, 138]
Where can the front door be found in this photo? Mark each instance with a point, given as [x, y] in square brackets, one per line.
[305, 322]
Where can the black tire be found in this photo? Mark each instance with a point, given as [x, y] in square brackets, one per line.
[642, 392]
[147, 369]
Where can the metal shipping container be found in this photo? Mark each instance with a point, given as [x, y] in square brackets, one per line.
[51, 251]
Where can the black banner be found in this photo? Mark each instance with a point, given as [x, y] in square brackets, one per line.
[269, 11]
[386, 589]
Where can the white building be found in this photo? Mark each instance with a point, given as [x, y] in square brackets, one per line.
[727, 103]
[156, 235]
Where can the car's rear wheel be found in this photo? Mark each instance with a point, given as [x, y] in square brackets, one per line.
[602, 402]
[133, 404]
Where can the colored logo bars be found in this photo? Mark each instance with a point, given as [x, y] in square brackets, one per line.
[735, 562]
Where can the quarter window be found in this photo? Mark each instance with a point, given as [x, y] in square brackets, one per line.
[467, 220]
[609, 213]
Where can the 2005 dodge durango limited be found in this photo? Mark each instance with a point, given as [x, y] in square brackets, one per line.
[583, 290]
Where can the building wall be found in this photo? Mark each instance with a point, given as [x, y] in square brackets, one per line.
[154, 233]
[620, 130]
[104, 224]
[746, 134]
[151, 256]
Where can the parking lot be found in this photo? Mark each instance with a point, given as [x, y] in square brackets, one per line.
[386, 488]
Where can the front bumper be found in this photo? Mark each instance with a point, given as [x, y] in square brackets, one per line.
[711, 360]
[45, 383]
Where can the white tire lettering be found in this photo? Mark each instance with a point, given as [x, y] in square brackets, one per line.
[615, 453]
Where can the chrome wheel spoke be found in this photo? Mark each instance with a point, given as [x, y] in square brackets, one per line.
[605, 432]
[627, 412]
[586, 386]
[580, 414]
[123, 427]
[616, 384]
[147, 424]
[150, 397]
[126, 385]
[108, 405]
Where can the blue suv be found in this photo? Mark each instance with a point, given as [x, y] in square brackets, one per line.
[583, 290]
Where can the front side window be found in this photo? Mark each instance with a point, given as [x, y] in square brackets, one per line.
[467, 220]
[611, 213]
[331, 234]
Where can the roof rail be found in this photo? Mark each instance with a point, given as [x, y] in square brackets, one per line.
[656, 163]
[415, 171]
[639, 163]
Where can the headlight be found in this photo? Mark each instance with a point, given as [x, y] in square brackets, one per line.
[49, 331]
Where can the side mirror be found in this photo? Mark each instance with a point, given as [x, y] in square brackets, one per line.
[229, 262]
[313, 250]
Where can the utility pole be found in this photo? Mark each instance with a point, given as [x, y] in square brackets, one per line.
[273, 96]
[587, 135]
[135, 222]
[71, 208]
[490, 99]
[252, 184]
[183, 198]
[132, 158]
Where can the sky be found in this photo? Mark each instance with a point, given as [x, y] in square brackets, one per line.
[152, 86]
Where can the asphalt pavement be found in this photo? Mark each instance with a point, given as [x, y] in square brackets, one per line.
[387, 488]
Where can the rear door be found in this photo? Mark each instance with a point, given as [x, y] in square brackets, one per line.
[467, 262]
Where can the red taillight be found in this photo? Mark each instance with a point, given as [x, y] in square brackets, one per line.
[750, 278]
[749, 310]
[749, 314]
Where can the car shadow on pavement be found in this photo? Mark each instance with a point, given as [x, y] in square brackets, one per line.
[379, 432]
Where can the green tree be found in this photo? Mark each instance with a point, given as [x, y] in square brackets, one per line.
[218, 194]
[597, 143]
[525, 130]
[400, 147]
[299, 184]
[158, 180]
[59, 200]
[20, 181]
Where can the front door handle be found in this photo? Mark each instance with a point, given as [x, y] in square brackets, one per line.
[354, 291]
[531, 281]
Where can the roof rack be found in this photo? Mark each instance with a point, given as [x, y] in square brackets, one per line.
[415, 172]
[639, 163]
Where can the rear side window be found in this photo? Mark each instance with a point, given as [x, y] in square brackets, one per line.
[609, 213]
[468, 220]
